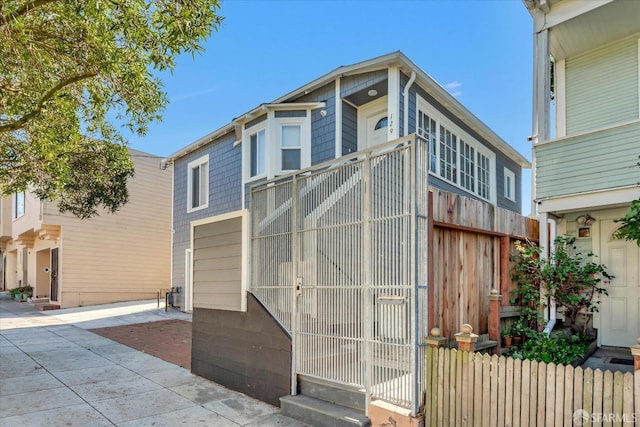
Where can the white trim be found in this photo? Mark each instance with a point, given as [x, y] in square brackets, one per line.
[508, 173]
[592, 200]
[591, 132]
[193, 164]
[338, 117]
[188, 280]
[561, 98]
[393, 103]
[244, 214]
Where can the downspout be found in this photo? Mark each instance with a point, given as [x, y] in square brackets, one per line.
[553, 226]
[405, 96]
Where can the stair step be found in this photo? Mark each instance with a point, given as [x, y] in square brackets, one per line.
[350, 397]
[320, 413]
[479, 346]
[38, 300]
[48, 306]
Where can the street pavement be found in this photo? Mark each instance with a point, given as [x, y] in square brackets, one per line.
[54, 372]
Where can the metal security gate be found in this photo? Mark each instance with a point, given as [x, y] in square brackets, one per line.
[335, 257]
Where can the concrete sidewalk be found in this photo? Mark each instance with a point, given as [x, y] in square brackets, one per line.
[53, 372]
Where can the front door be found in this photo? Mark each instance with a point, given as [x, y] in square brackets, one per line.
[620, 311]
[372, 123]
[53, 296]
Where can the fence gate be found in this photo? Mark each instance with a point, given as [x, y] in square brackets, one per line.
[334, 259]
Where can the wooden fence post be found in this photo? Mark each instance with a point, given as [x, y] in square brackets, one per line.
[494, 318]
[466, 338]
[434, 341]
[635, 352]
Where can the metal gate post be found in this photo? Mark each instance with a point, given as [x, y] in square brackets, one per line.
[413, 256]
[296, 287]
[366, 276]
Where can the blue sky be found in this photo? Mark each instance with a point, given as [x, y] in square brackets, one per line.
[481, 50]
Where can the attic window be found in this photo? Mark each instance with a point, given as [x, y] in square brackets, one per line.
[382, 123]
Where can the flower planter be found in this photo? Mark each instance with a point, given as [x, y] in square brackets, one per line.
[507, 341]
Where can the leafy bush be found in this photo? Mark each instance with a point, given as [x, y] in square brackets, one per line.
[552, 349]
[572, 279]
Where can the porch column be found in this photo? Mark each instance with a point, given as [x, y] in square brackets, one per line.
[393, 103]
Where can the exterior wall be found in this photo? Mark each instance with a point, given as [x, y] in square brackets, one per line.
[602, 86]
[349, 129]
[217, 265]
[595, 161]
[245, 351]
[32, 218]
[323, 129]
[354, 83]
[225, 195]
[117, 257]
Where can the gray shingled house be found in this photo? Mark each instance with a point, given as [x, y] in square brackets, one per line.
[274, 212]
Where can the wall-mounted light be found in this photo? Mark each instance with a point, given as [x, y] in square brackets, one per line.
[583, 220]
[372, 92]
[323, 113]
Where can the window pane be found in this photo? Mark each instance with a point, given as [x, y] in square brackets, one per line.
[467, 166]
[257, 153]
[204, 176]
[483, 176]
[19, 208]
[290, 136]
[195, 187]
[290, 159]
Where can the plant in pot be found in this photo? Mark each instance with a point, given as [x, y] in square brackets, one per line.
[26, 293]
[518, 331]
[507, 338]
[16, 293]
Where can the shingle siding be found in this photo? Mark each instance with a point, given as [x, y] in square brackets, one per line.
[352, 84]
[225, 195]
[323, 129]
[349, 129]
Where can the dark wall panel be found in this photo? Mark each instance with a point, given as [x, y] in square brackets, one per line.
[248, 352]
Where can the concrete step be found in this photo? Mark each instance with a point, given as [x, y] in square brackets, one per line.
[38, 300]
[350, 397]
[320, 413]
[47, 306]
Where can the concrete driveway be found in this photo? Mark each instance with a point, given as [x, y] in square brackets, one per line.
[54, 372]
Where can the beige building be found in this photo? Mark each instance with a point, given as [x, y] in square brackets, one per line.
[108, 258]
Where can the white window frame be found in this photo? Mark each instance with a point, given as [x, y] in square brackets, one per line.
[254, 130]
[441, 121]
[509, 187]
[204, 189]
[305, 142]
[15, 214]
[273, 145]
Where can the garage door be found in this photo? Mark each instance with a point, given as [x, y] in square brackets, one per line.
[217, 265]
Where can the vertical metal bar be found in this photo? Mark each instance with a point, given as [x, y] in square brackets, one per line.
[367, 297]
[294, 284]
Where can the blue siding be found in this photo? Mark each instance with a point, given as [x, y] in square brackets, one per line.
[349, 129]
[225, 195]
[323, 129]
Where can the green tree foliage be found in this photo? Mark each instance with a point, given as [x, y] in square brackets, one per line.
[72, 74]
[630, 229]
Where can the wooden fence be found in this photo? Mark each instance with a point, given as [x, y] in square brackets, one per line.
[471, 389]
[470, 244]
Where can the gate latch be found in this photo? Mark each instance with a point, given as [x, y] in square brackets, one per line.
[299, 286]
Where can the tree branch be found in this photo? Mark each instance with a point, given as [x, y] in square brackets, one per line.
[23, 10]
[17, 124]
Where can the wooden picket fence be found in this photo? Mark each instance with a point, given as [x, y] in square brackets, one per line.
[472, 389]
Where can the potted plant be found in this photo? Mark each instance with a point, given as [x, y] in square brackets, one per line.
[517, 331]
[26, 293]
[16, 293]
[507, 339]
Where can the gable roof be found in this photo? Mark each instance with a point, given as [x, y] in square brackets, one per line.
[400, 60]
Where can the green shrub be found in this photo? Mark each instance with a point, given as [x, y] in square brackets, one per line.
[552, 349]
